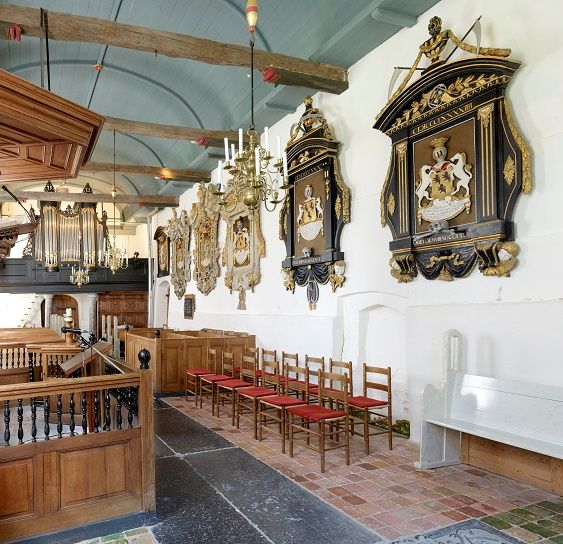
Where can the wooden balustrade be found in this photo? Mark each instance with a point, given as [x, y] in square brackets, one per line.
[70, 442]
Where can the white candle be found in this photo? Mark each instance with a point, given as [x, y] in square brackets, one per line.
[266, 140]
[279, 148]
[226, 149]
[233, 152]
[220, 176]
[257, 157]
[285, 164]
[69, 310]
[240, 141]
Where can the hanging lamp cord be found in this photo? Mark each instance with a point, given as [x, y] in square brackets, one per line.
[113, 189]
[252, 81]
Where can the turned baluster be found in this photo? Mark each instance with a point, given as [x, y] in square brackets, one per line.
[13, 357]
[130, 408]
[31, 366]
[118, 416]
[7, 422]
[19, 357]
[60, 416]
[72, 425]
[33, 403]
[2, 358]
[84, 418]
[50, 365]
[96, 411]
[20, 421]
[107, 418]
[46, 428]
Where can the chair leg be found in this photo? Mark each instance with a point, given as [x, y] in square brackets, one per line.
[390, 427]
[347, 439]
[366, 431]
[290, 434]
[259, 421]
[233, 394]
[215, 399]
[322, 444]
[255, 414]
[238, 408]
[283, 418]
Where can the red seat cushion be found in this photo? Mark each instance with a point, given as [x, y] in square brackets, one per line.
[259, 373]
[216, 378]
[233, 384]
[255, 392]
[198, 371]
[283, 400]
[236, 369]
[365, 402]
[315, 413]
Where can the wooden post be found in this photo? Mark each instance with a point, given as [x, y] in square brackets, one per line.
[146, 420]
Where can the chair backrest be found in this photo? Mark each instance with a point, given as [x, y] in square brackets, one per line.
[314, 364]
[381, 372]
[300, 375]
[229, 333]
[269, 356]
[291, 359]
[339, 392]
[249, 369]
[270, 372]
[252, 351]
[341, 367]
[228, 364]
[212, 360]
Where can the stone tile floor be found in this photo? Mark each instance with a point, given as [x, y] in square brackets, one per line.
[142, 535]
[384, 491]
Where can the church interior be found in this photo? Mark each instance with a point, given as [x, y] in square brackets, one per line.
[269, 271]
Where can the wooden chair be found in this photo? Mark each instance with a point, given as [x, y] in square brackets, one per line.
[269, 364]
[274, 409]
[303, 418]
[370, 406]
[193, 375]
[292, 360]
[207, 383]
[314, 364]
[226, 389]
[247, 397]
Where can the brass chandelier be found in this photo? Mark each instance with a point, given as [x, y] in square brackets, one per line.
[115, 258]
[79, 276]
[254, 172]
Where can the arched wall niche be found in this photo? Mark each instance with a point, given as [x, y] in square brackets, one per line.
[162, 298]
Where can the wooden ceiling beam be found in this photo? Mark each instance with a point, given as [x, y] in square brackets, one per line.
[74, 28]
[157, 201]
[208, 138]
[166, 174]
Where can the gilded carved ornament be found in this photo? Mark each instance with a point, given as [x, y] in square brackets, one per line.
[178, 231]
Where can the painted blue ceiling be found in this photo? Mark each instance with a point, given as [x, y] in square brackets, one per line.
[153, 88]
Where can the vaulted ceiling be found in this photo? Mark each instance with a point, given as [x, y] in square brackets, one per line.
[158, 89]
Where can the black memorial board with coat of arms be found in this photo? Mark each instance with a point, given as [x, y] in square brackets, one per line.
[457, 167]
[316, 207]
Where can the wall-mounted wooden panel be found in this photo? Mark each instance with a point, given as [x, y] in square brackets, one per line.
[17, 476]
[130, 307]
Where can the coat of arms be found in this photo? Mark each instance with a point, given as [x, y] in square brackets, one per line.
[443, 188]
[310, 219]
[241, 243]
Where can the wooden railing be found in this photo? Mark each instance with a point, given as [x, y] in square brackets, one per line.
[73, 443]
[12, 355]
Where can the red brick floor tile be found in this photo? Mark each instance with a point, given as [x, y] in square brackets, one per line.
[390, 533]
[455, 515]
[472, 512]
[353, 499]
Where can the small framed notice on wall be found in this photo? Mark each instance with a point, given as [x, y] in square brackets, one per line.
[189, 306]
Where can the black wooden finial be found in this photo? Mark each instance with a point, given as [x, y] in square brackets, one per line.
[144, 358]
[157, 333]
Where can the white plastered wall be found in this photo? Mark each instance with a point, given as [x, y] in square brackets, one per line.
[511, 326]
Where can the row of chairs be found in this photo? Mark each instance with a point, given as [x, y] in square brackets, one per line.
[313, 404]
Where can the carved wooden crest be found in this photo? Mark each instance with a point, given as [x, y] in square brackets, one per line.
[316, 208]
[179, 234]
[162, 252]
[244, 245]
[205, 221]
[457, 167]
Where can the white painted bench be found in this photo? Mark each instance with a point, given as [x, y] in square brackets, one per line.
[520, 414]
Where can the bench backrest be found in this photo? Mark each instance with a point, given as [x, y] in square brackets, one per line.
[526, 409]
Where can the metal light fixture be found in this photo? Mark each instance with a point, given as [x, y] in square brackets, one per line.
[115, 258]
[79, 276]
[255, 172]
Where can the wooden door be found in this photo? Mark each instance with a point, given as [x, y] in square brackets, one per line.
[172, 365]
[62, 302]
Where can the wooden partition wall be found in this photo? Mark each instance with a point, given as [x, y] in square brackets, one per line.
[96, 465]
[175, 351]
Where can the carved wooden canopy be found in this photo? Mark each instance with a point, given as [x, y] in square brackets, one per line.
[457, 167]
[42, 135]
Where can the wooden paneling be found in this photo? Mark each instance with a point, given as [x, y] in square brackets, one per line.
[17, 476]
[55, 484]
[62, 302]
[129, 307]
[173, 364]
[533, 468]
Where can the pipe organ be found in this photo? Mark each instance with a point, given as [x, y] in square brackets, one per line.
[75, 235]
